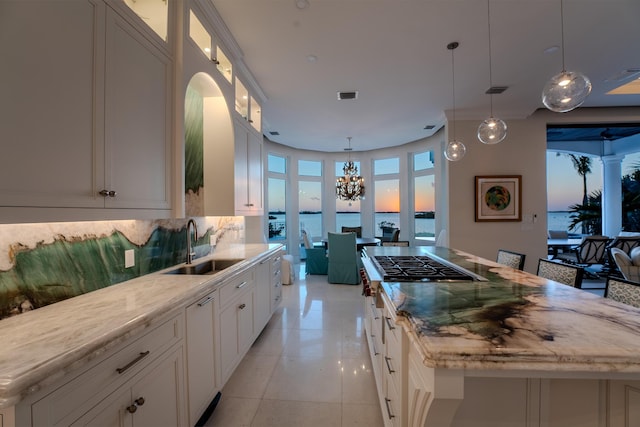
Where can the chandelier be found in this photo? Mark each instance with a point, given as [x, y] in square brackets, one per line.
[351, 185]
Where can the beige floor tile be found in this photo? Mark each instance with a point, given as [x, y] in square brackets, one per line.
[250, 378]
[358, 384]
[278, 413]
[307, 379]
[354, 415]
[271, 342]
[233, 412]
[315, 344]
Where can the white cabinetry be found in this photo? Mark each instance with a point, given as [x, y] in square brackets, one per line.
[276, 282]
[138, 384]
[262, 305]
[388, 350]
[202, 379]
[248, 170]
[89, 115]
[236, 321]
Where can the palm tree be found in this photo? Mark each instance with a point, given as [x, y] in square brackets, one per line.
[582, 164]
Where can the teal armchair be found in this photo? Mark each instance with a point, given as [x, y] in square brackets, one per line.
[316, 260]
[344, 261]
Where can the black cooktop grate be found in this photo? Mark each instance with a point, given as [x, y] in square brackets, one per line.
[411, 268]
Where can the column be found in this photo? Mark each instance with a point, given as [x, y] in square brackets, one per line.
[611, 195]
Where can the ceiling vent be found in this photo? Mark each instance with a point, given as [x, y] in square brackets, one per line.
[429, 127]
[348, 95]
[494, 90]
[274, 133]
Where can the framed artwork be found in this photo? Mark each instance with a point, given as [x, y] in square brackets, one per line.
[498, 198]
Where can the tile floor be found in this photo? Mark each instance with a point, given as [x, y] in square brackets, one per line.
[309, 367]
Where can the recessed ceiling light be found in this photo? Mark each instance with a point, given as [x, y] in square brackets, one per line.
[312, 58]
[302, 4]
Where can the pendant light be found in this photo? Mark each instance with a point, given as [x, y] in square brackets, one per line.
[567, 90]
[454, 150]
[350, 186]
[491, 130]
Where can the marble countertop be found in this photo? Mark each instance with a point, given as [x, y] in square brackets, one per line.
[513, 321]
[39, 347]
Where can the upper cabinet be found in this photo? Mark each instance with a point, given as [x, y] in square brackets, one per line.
[86, 122]
[248, 171]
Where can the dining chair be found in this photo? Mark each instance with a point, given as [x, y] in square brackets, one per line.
[566, 274]
[344, 263]
[396, 243]
[511, 259]
[316, 261]
[389, 234]
[590, 251]
[357, 230]
[622, 290]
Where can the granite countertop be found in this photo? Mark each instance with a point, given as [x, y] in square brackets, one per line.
[41, 346]
[513, 321]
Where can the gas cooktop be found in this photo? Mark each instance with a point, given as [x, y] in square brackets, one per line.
[412, 268]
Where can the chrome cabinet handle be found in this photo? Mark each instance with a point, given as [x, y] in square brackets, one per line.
[141, 356]
[241, 285]
[205, 301]
[107, 193]
[373, 344]
[386, 402]
[242, 306]
[387, 359]
[389, 325]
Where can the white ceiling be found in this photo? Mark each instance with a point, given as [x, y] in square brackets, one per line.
[393, 52]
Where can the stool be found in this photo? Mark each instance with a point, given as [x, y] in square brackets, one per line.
[288, 276]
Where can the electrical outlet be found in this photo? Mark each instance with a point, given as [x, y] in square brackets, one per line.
[129, 258]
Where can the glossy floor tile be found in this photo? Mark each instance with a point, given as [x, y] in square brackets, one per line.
[310, 367]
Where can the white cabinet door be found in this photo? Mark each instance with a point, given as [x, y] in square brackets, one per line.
[248, 170]
[137, 119]
[50, 107]
[202, 383]
[152, 398]
[236, 332]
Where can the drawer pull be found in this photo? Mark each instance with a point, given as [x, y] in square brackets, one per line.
[389, 325]
[141, 356]
[387, 359]
[263, 261]
[138, 402]
[242, 306]
[386, 402]
[276, 273]
[241, 285]
[205, 301]
[277, 259]
[373, 344]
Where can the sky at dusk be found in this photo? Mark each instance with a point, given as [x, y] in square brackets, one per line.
[564, 185]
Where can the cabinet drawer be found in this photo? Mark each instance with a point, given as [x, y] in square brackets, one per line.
[236, 286]
[95, 383]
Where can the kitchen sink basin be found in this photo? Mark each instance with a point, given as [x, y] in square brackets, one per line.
[208, 267]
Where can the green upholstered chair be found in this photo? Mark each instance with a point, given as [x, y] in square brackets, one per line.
[344, 265]
[316, 261]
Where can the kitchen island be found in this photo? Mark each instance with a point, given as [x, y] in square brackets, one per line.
[505, 349]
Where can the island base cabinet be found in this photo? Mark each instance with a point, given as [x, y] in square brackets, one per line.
[448, 398]
[155, 398]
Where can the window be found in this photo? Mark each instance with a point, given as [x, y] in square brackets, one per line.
[277, 200]
[424, 200]
[386, 193]
[310, 197]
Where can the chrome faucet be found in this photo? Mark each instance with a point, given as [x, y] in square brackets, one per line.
[190, 251]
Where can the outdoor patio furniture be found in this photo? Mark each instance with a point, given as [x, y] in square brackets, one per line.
[628, 265]
[591, 251]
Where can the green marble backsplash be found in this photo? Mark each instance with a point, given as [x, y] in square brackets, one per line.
[41, 264]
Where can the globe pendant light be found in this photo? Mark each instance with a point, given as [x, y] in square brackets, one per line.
[567, 90]
[454, 150]
[491, 130]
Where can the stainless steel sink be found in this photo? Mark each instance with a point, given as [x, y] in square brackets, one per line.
[208, 267]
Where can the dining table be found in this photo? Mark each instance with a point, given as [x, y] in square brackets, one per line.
[554, 245]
